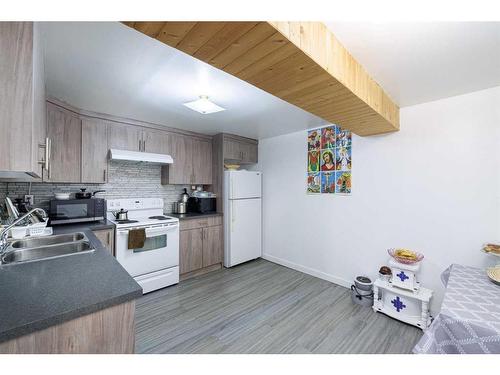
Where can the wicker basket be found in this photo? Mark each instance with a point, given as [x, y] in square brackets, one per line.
[494, 274]
[392, 253]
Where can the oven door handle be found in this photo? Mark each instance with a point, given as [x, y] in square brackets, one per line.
[152, 232]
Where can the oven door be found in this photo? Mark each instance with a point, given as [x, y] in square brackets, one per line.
[160, 250]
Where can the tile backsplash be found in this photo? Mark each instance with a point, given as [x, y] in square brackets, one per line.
[125, 180]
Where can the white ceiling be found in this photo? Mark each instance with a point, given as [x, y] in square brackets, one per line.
[421, 62]
[110, 68]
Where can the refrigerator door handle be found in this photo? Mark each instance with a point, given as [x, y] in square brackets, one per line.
[231, 186]
[232, 215]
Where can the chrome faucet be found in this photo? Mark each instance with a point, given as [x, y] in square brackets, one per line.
[5, 231]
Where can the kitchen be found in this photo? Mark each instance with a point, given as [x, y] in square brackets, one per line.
[127, 182]
[184, 214]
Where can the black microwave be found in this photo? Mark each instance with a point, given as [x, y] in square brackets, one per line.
[201, 205]
[77, 210]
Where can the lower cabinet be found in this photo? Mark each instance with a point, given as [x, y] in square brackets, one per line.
[107, 238]
[107, 331]
[200, 246]
[212, 245]
[191, 250]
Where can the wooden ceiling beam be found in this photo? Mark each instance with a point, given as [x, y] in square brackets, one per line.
[300, 62]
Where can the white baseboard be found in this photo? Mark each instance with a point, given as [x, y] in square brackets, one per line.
[310, 271]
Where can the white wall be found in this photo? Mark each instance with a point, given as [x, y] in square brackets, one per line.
[434, 186]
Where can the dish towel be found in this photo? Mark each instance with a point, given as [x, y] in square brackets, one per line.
[136, 238]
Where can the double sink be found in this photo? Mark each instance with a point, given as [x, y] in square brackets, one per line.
[41, 248]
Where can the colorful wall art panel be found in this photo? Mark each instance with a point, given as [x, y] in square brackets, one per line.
[343, 158]
[314, 139]
[344, 138]
[329, 160]
[343, 182]
[328, 182]
[313, 183]
[313, 161]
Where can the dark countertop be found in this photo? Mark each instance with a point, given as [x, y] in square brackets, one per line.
[95, 225]
[37, 295]
[194, 215]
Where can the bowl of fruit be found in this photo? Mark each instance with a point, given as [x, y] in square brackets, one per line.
[405, 256]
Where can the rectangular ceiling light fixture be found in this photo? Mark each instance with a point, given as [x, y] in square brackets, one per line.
[204, 105]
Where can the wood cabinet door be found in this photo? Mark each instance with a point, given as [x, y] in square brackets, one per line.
[202, 162]
[191, 250]
[16, 96]
[232, 149]
[94, 151]
[64, 129]
[157, 142]
[250, 153]
[107, 238]
[212, 245]
[124, 137]
[181, 171]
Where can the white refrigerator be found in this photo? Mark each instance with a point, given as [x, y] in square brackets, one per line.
[242, 216]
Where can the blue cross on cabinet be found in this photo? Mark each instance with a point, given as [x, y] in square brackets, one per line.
[398, 304]
[402, 276]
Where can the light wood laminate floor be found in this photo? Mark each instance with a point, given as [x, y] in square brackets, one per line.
[262, 307]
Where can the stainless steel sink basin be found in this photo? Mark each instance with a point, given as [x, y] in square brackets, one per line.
[45, 241]
[41, 248]
[46, 252]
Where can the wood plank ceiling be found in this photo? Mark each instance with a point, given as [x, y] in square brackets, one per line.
[300, 62]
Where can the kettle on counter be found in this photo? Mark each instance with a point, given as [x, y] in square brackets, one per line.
[184, 196]
[121, 215]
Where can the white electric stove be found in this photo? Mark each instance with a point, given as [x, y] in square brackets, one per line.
[155, 265]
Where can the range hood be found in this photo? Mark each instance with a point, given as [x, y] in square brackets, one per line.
[147, 157]
[16, 176]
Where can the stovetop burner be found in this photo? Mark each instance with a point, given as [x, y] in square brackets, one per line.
[128, 221]
[159, 217]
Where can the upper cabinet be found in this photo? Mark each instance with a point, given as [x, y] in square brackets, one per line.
[156, 141]
[202, 161]
[94, 151]
[64, 131]
[181, 171]
[125, 137]
[22, 102]
[137, 138]
[192, 161]
[79, 148]
[239, 149]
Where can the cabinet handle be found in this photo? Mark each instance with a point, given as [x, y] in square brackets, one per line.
[104, 175]
[140, 145]
[144, 145]
[48, 150]
[45, 160]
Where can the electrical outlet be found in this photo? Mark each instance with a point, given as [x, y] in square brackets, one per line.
[29, 198]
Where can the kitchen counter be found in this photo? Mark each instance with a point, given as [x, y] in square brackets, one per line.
[41, 294]
[194, 215]
[76, 227]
